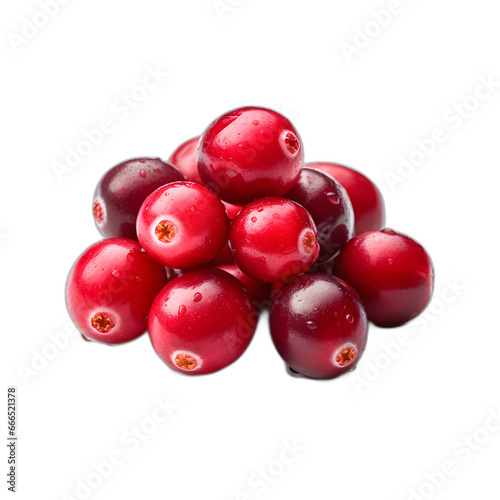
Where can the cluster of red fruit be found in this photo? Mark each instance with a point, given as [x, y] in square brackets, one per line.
[234, 223]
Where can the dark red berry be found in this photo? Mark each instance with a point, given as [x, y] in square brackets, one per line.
[122, 190]
[182, 225]
[318, 325]
[202, 321]
[273, 239]
[223, 258]
[249, 153]
[184, 159]
[329, 205]
[367, 202]
[111, 288]
[392, 274]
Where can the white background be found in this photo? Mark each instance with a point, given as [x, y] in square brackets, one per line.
[373, 434]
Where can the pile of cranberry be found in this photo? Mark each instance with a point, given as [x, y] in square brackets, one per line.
[235, 223]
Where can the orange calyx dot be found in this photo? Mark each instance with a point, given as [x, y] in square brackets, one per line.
[165, 231]
[103, 322]
[308, 242]
[186, 361]
[292, 143]
[98, 212]
[346, 356]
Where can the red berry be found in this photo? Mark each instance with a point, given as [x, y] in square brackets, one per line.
[318, 325]
[273, 239]
[392, 274]
[329, 205]
[182, 225]
[257, 289]
[249, 153]
[111, 288]
[122, 190]
[184, 159]
[367, 202]
[232, 210]
[202, 321]
[223, 258]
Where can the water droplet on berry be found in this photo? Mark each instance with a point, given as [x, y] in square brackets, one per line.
[255, 122]
[254, 219]
[333, 198]
[390, 232]
[350, 318]
[182, 310]
[143, 173]
[197, 297]
[142, 160]
[276, 216]
[260, 209]
[311, 325]
[390, 261]
[116, 273]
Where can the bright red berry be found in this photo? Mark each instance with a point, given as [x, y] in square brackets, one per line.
[122, 190]
[202, 321]
[249, 153]
[257, 289]
[318, 325]
[367, 202]
[273, 239]
[182, 225]
[184, 159]
[232, 210]
[329, 205]
[391, 272]
[110, 290]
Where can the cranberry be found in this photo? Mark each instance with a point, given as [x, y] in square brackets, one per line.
[325, 268]
[275, 288]
[249, 153]
[223, 258]
[202, 321]
[121, 191]
[111, 288]
[232, 210]
[329, 205]
[273, 239]
[184, 159]
[318, 325]
[367, 202]
[392, 274]
[182, 225]
[258, 290]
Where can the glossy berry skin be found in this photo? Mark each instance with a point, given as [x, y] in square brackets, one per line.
[318, 325]
[329, 205]
[182, 225]
[366, 199]
[223, 258]
[232, 210]
[202, 321]
[122, 190]
[184, 159]
[392, 274]
[273, 239]
[110, 290]
[257, 289]
[249, 153]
